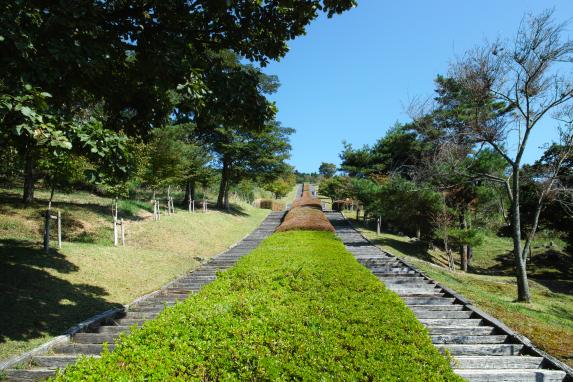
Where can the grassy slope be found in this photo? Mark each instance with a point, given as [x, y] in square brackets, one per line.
[44, 294]
[547, 321]
[299, 307]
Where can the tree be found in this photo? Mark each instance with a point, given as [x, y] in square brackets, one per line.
[335, 188]
[138, 62]
[175, 159]
[524, 77]
[327, 169]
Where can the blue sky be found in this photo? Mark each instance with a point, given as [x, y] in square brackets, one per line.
[351, 77]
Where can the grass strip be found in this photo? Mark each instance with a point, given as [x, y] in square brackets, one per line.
[299, 307]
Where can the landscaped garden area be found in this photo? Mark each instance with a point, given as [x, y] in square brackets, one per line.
[299, 307]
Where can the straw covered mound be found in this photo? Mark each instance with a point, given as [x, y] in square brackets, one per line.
[306, 214]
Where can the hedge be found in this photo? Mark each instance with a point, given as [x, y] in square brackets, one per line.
[306, 214]
[299, 307]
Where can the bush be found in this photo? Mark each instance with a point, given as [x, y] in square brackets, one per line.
[299, 307]
[271, 205]
[306, 214]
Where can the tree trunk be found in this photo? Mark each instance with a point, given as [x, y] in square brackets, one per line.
[189, 193]
[464, 247]
[418, 232]
[29, 177]
[523, 294]
[223, 185]
[470, 256]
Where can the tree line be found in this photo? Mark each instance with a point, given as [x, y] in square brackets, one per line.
[114, 92]
[456, 169]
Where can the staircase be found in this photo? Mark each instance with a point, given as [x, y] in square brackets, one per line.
[482, 348]
[91, 343]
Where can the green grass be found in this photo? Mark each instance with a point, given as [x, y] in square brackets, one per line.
[299, 307]
[45, 294]
[547, 321]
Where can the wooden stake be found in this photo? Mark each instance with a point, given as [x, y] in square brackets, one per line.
[122, 233]
[47, 231]
[115, 231]
[59, 229]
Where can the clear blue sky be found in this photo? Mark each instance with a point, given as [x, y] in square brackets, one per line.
[351, 76]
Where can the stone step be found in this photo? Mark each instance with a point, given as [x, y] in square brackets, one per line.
[417, 292]
[482, 349]
[151, 307]
[464, 339]
[462, 330]
[55, 361]
[425, 308]
[431, 300]
[451, 321]
[73, 348]
[496, 362]
[380, 275]
[443, 313]
[515, 375]
[129, 321]
[94, 338]
[407, 281]
[115, 329]
[31, 374]
[140, 315]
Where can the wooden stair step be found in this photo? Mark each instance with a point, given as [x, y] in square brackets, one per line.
[514, 375]
[496, 362]
[482, 349]
[464, 339]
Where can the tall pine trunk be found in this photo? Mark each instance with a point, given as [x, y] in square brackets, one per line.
[520, 265]
[222, 197]
[464, 247]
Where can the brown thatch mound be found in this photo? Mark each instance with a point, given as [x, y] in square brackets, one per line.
[306, 214]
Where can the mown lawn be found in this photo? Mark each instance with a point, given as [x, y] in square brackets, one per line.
[299, 307]
[547, 321]
[44, 294]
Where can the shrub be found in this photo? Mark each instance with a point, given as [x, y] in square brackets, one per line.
[299, 307]
[306, 214]
[271, 205]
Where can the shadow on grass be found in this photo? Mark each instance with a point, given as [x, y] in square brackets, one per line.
[35, 302]
[127, 209]
[550, 268]
[234, 209]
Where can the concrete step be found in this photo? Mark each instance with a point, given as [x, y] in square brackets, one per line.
[451, 321]
[496, 362]
[94, 338]
[55, 361]
[482, 349]
[73, 348]
[442, 313]
[129, 322]
[141, 315]
[462, 339]
[428, 300]
[114, 329]
[31, 374]
[515, 375]
[462, 330]
[425, 308]
[405, 280]
[151, 307]
[417, 292]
